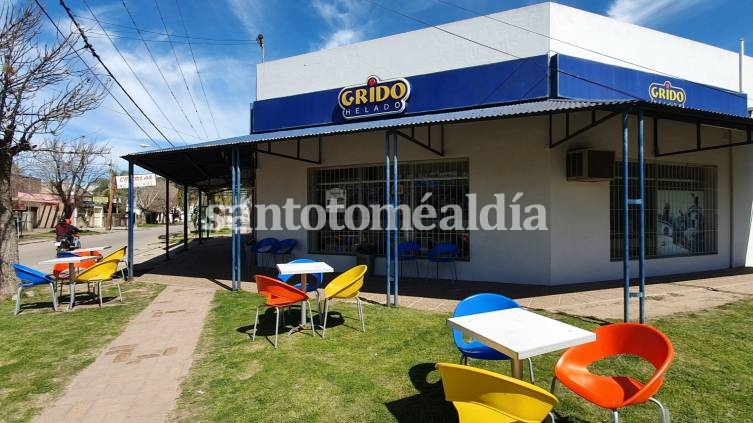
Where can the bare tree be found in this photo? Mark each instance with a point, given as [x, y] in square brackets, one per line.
[41, 88]
[70, 169]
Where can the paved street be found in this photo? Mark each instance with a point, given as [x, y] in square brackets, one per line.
[147, 245]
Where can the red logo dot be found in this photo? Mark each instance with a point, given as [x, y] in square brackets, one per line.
[372, 82]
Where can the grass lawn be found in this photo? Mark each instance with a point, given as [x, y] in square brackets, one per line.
[42, 350]
[387, 373]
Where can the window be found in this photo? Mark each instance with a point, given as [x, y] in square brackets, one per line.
[447, 181]
[681, 210]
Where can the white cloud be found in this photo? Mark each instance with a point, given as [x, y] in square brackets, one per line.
[344, 17]
[249, 13]
[341, 37]
[649, 11]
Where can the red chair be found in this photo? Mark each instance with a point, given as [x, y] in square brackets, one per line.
[279, 295]
[615, 392]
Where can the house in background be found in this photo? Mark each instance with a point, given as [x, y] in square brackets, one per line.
[35, 207]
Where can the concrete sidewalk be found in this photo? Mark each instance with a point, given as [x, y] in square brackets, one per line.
[137, 378]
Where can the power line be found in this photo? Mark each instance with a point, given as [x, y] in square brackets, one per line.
[96, 76]
[599, 53]
[180, 68]
[193, 57]
[188, 37]
[148, 93]
[130, 15]
[427, 24]
[97, 34]
[99, 59]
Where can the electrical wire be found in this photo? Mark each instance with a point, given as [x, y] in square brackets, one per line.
[172, 93]
[135, 75]
[96, 76]
[180, 69]
[196, 66]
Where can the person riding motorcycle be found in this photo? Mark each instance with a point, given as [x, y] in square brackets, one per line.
[65, 231]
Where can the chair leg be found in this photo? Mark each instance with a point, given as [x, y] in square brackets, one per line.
[463, 359]
[256, 323]
[54, 297]
[18, 300]
[530, 368]
[662, 409]
[277, 324]
[553, 417]
[326, 309]
[615, 417]
[311, 317]
[360, 314]
[120, 293]
[553, 385]
[99, 293]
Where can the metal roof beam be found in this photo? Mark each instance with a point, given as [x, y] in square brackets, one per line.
[427, 145]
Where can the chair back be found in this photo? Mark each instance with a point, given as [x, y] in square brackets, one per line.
[99, 272]
[285, 246]
[30, 276]
[479, 303]
[408, 249]
[637, 339]
[62, 254]
[483, 396]
[346, 285]
[318, 276]
[273, 288]
[118, 254]
[444, 251]
[59, 268]
[88, 263]
[265, 245]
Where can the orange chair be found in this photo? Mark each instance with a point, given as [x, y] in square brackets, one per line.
[615, 392]
[279, 295]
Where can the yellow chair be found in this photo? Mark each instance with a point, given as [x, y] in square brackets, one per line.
[483, 396]
[119, 255]
[99, 273]
[346, 286]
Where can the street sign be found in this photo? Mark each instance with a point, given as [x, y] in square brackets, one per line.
[148, 180]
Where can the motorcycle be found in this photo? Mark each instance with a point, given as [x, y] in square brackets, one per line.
[68, 243]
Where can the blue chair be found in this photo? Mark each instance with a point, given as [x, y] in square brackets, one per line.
[284, 249]
[311, 286]
[264, 246]
[444, 252]
[481, 303]
[29, 278]
[409, 251]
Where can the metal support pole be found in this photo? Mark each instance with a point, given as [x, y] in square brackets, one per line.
[199, 219]
[185, 217]
[167, 219]
[234, 200]
[388, 200]
[626, 217]
[396, 234]
[131, 219]
[642, 219]
[232, 218]
[237, 217]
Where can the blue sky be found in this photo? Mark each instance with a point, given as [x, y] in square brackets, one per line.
[222, 39]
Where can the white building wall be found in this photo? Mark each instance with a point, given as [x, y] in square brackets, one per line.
[498, 152]
[411, 53]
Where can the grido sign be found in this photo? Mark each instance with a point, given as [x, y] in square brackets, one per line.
[667, 94]
[148, 180]
[374, 98]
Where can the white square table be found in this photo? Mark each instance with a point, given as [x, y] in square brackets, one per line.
[71, 272]
[520, 333]
[89, 249]
[303, 269]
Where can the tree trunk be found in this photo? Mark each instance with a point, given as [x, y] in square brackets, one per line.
[68, 210]
[8, 240]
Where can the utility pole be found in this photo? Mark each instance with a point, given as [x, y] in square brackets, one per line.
[111, 196]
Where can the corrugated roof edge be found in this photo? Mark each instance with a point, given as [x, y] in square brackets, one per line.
[517, 109]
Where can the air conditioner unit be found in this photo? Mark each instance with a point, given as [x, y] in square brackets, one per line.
[590, 165]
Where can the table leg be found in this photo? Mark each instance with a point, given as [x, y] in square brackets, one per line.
[303, 304]
[71, 285]
[517, 368]
[301, 326]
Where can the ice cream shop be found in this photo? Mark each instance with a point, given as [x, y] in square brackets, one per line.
[557, 147]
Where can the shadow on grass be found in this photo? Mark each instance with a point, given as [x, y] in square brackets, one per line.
[428, 405]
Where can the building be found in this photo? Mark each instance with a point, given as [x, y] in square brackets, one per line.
[34, 206]
[530, 101]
